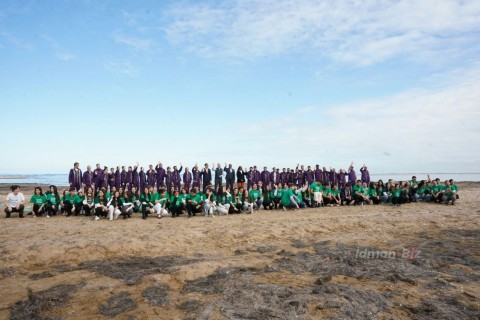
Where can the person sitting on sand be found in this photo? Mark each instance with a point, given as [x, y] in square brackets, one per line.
[68, 202]
[255, 197]
[194, 203]
[89, 201]
[147, 204]
[53, 201]
[209, 203]
[454, 188]
[101, 209]
[359, 193]
[115, 206]
[288, 200]
[15, 202]
[316, 190]
[39, 201]
[335, 196]
[449, 196]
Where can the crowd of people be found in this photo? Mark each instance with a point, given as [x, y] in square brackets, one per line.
[113, 193]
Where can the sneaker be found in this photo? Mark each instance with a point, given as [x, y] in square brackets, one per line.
[48, 216]
[97, 218]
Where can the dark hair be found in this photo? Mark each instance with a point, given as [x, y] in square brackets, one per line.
[14, 187]
[38, 188]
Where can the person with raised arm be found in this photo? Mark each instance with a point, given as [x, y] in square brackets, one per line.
[352, 176]
[129, 179]
[196, 177]
[365, 175]
[176, 178]
[98, 177]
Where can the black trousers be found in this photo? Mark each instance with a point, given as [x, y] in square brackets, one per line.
[218, 183]
[37, 211]
[193, 210]
[19, 209]
[51, 211]
[68, 206]
[235, 209]
[177, 210]
[268, 205]
[87, 210]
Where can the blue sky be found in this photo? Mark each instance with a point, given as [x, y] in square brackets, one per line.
[393, 84]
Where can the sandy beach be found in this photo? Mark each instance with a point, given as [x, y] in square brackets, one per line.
[306, 264]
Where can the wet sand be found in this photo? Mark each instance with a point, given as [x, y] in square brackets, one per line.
[305, 264]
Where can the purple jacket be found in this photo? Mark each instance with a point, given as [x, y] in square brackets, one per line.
[98, 177]
[123, 177]
[196, 174]
[365, 175]
[176, 175]
[118, 179]
[352, 176]
[151, 177]
[309, 176]
[160, 175]
[265, 177]
[318, 174]
[75, 180]
[88, 178]
[187, 178]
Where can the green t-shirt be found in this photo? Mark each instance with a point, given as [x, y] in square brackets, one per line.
[222, 199]
[435, 189]
[179, 200]
[155, 196]
[69, 198]
[77, 199]
[327, 191]
[162, 199]
[372, 192]
[357, 188]
[195, 200]
[396, 192]
[108, 195]
[97, 200]
[254, 195]
[52, 198]
[38, 199]
[299, 195]
[90, 199]
[286, 197]
[268, 196]
[279, 194]
[316, 187]
[145, 197]
[414, 182]
[454, 188]
[335, 192]
[441, 187]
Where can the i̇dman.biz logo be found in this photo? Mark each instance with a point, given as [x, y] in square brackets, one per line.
[410, 253]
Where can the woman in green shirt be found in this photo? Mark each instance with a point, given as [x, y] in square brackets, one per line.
[235, 202]
[288, 201]
[255, 197]
[277, 195]
[373, 196]
[396, 194]
[39, 201]
[101, 209]
[146, 201]
[247, 206]
[53, 201]
[89, 202]
[268, 198]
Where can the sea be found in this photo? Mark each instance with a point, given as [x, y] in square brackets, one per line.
[62, 179]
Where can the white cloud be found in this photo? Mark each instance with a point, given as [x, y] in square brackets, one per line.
[60, 51]
[138, 44]
[121, 67]
[358, 32]
[427, 129]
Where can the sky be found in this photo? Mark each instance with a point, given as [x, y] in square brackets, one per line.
[394, 85]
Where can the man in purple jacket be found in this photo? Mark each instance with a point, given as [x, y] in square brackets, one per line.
[135, 179]
[160, 176]
[309, 176]
[352, 176]
[75, 177]
[318, 173]
[123, 178]
[187, 180]
[98, 177]
[196, 176]
[118, 178]
[142, 179]
[176, 179]
[265, 178]
[129, 179]
[88, 177]
[365, 174]
[151, 176]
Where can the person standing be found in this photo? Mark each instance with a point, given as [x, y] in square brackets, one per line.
[196, 175]
[87, 178]
[240, 178]
[160, 176]
[123, 178]
[111, 179]
[206, 177]
[98, 178]
[187, 180]
[230, 176]
[218, 177]
[129, 179]
[176, 179]
[75, 177]
[265, 177]
[142, 182]
[365, 177]
[118, 178]
[352, 176]
[135, 177]
[151, 176]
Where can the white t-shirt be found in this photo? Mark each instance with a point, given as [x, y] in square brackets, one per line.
[14, 201]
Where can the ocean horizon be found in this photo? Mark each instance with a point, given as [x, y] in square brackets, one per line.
[62, 179]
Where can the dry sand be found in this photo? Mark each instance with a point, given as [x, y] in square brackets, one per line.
[286, 265]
